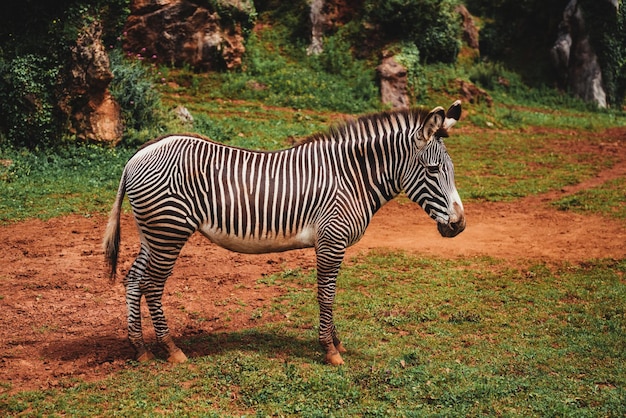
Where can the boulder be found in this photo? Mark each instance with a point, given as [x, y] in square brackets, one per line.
[326, 16]
[184, 32]
[470, 92]
[92, 112]
[393, 83]
[575, 61]
[470, 31]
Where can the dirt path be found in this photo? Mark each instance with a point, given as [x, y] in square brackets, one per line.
[61, 319]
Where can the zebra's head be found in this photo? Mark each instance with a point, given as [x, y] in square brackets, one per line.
[429, 179]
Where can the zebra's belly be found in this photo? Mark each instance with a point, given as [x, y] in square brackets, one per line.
[260, 244]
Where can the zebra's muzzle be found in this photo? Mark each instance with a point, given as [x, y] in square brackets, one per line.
[453, 228]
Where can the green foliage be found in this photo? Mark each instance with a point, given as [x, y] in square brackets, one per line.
[607, 32]
[408, 55]
[432, 25]
[520, 33]
[245, 14]
[332, 81]
[134, 89]
[35, 38]
[27, 101]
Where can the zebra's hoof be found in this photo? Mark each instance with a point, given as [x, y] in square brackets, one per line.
[145, 356]
[341, 348]
[177, 357]
[334, 359]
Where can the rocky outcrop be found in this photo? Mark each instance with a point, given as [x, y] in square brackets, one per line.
[317, 28]
[393, 83]
[469, 29]
[183, 32]
[575, 60]
[92, 112]
[470, 92]
[327, 16]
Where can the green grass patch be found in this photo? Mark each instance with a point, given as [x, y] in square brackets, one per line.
[608, 199]
[80, 179]
[505, 165]
[425, 337]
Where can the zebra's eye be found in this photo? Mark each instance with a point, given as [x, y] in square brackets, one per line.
[432, 169]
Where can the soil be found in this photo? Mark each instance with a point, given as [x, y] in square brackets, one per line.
[63, 321]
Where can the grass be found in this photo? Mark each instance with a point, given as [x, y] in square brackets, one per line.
[425, 337]
[609, 199]
[80, 180]
[496, 165]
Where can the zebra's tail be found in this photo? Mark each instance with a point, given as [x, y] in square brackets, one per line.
[111, 242]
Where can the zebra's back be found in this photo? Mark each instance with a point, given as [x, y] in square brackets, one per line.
[243, 200]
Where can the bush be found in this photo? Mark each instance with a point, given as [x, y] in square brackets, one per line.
[27, 101]
[133, 88]
[432, 25]
[409, 57]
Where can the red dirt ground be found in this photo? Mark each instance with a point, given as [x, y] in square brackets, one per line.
[62, 320]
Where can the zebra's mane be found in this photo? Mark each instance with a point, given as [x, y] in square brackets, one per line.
[342, 130]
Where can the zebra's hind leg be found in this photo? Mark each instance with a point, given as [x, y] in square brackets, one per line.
[159, 269]
[133, 305]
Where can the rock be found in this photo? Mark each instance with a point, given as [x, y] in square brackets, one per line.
[184, 115]
[575, 60]
[92, 112]
[183, 32]
[327, 16]
[393, 83]
[470, 31]
[105, 120]
[317, 28]
[470, 92]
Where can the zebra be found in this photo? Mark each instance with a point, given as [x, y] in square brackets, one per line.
[320, 193]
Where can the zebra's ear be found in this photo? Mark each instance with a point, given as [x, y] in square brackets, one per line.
[452, 115]
[433, 122]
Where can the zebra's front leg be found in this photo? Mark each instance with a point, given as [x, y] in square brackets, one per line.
[328, 263]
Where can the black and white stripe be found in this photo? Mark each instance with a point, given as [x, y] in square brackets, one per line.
[321, 193]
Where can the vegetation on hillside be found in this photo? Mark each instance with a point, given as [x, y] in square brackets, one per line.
[35, 38]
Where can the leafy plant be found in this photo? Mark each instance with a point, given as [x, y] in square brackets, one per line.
[432, 25]
[133, 88]
[27, 101]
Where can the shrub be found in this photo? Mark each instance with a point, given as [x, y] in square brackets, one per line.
[607, 32]
[27, 101]
[133, 88]
[432, 25]
[409, 57]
